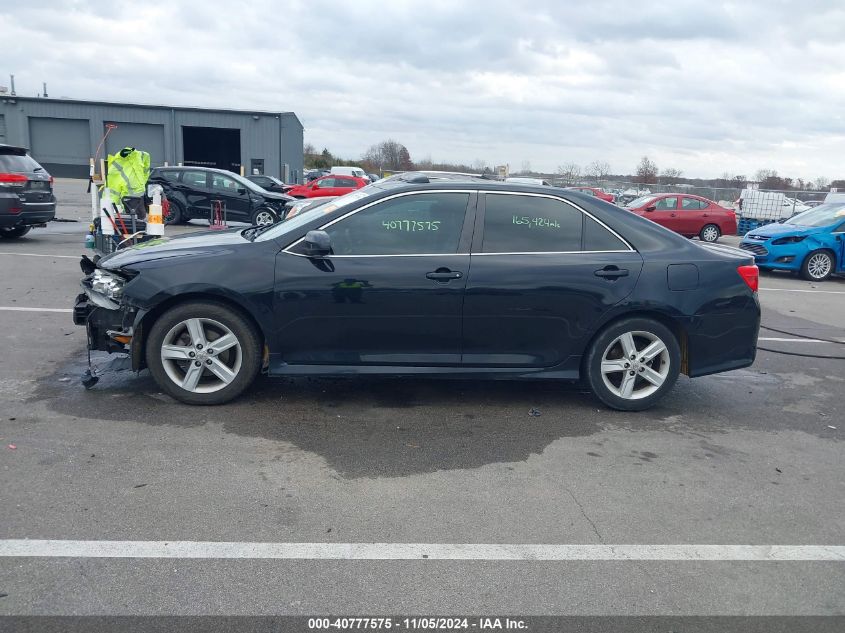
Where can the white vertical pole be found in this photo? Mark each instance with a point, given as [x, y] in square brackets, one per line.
[95, 203]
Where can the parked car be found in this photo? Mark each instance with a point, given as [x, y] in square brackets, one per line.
[26, 193]
[379, 282]
[596, 193]
[373, 177]
[268, 183]
[686, 214]
[328, 186]
[295, 207]
[191, 191]
[349, 171]
[812, 243]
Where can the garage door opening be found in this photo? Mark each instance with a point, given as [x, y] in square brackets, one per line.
[212, 147]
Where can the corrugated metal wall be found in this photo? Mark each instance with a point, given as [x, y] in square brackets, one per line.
[275, 139]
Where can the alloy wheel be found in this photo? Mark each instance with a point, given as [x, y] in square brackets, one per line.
[201, 355]
[264, 218]
[819, 266]
[635, 365]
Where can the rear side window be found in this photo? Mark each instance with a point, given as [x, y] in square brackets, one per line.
[194, 179]
[598, 238]
[693, 204]
[409, 225]
[530, 224]
[170, 175]
[16, 163]
[345, 182]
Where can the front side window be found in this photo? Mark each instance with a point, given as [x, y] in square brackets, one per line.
[530, 224]
[325, 183]
[669, 204]
[409, 225]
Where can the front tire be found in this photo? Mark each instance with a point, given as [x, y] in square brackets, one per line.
[817, 266]
[15, 233]
[264, 216]
[709, 233]
[175, 214]
[203, 353]
[633, 363]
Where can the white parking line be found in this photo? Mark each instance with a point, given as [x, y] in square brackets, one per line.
[416, 551]
[825, 292]
[43, 255]
[17, 309]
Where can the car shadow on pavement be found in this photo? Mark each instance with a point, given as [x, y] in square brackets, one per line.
[394, 427]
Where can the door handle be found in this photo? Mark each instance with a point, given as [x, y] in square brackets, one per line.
[673, 215]
[611, 272]
[443, 274]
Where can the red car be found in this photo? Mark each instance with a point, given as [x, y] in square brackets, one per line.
[328, 186]
[686, 214]
[596, 193]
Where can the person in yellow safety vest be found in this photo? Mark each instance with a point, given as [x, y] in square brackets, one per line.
[128, 172]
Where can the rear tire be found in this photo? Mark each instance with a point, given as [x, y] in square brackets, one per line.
[817, 266]
[709, 233]
[15, 233]
[632, 384]
[183, 360]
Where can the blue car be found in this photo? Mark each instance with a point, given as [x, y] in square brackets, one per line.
[811, 243]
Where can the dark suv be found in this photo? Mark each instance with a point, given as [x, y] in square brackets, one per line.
[26, 193]
[191, 191]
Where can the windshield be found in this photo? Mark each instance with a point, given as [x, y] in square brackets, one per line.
[304, 217]
[248, 183]
[822, 215]
[638, 202]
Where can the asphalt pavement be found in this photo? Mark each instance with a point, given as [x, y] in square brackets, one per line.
[750, 457]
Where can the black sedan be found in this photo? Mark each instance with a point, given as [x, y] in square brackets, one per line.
[268, 183]
[193, 191]
[421, 276]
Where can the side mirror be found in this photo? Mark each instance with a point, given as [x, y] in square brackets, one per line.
[650, 209]
[241, 191]
[314, 186]
[318, 244]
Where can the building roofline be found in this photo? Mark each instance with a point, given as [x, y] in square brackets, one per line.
[144, 105]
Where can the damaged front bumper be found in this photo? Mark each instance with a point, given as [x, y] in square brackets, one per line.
[112, 326]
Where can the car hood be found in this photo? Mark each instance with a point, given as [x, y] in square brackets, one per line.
[202, 243]
[272, 195]
[781, 230]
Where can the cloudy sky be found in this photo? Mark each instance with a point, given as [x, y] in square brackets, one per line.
[704, 86]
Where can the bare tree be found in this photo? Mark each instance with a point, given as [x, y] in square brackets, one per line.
[387, 155]
[526, 167]
[479, 165]
[821, 183]
[570, 173]
[671, 175]
[308, 149]
[647, 171]
[765, 174]
[598, 169]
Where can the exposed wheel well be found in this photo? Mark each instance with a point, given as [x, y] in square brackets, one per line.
[139, 343]
[675, 327]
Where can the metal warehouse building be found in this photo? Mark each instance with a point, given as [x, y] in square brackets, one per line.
[63, 135]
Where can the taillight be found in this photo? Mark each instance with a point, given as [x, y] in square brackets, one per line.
[51, 182]
[13, 180]
[750, 275]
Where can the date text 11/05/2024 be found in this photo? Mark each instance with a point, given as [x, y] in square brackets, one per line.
[425, 623]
